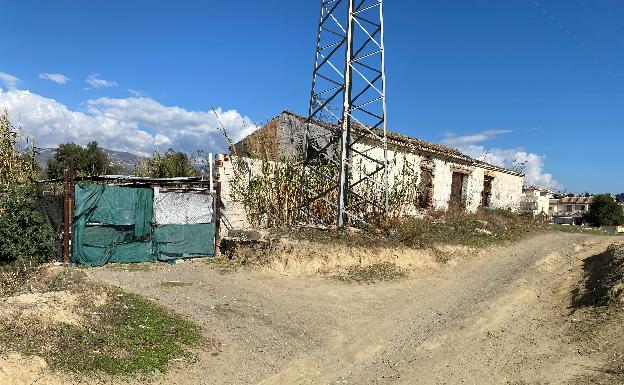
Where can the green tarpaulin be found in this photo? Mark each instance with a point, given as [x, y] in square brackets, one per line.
[184, 241]
[115, 224]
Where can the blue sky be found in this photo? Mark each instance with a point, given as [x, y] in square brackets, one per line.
[542, 81]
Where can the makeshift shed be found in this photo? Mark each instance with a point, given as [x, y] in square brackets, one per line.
[129, 219]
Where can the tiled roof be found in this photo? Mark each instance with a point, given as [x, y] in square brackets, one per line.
[423, 145]
[577, 200]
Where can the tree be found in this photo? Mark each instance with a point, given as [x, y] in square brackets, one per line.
[24, 232]
[619, 197]
[604, 211]
[15, 166]
[91, 160]
[171, 164]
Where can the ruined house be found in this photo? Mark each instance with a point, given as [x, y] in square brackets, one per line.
[446, 177]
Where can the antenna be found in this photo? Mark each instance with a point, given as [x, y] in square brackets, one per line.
[345, 167]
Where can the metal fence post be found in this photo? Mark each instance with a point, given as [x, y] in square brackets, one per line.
[217, 213]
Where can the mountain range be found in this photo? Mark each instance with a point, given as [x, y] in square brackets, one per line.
[126, 160]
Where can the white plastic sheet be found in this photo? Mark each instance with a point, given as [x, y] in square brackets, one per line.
[182, 208]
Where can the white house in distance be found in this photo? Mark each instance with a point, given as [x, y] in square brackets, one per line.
[536, 202]
[446, 177]
[571, 210]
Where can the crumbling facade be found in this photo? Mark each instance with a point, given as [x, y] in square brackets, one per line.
[446, 178]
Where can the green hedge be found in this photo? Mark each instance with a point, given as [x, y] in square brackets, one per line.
[24, 232]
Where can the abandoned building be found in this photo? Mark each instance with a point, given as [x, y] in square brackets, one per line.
[446, 178]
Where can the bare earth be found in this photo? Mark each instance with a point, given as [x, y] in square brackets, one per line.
[497, 317]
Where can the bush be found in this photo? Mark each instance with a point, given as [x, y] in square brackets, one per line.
[171, 164]
[604, 211]
[24, 232]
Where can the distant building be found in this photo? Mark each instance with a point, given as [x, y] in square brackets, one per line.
[446, 178]
[571, 210]
[536, 202]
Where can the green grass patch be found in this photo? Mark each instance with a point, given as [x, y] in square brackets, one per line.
[132, 335]
[123, 335]
[379, 272]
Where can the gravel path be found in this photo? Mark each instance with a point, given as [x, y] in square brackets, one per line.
[497, 318]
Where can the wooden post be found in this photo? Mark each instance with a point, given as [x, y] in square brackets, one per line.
[66, 218]
[68, 211]
[217, 214]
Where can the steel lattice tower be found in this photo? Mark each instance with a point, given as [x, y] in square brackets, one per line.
[347, 107]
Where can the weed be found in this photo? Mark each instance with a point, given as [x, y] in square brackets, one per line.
[370, 274]
[222, 266]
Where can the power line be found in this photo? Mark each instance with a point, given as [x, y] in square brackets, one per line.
[607, 66]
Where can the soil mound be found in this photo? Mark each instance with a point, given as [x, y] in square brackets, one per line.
[604, 279]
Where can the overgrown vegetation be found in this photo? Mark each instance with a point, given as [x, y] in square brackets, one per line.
[115, 332]
[480, 229]
[604, 211]
[89, 160]
[25, 235]
[16, 167]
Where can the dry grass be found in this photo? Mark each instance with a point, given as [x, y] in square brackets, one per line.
[475, 230]
[379, 272]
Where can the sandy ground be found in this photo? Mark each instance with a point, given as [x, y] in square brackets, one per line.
[496, 317]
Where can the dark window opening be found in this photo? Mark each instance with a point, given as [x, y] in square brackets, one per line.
[486, 195]
[425, 189]
[457, 201]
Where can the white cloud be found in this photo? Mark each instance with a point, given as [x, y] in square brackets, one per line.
[95, 81]
[136, 93]
[458, 141]
[56, 78]
[531, 164]
[136, 125]
[8, 80]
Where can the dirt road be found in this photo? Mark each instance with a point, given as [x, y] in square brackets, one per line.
[500, 317]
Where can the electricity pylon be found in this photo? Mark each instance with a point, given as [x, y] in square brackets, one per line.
[347, 110]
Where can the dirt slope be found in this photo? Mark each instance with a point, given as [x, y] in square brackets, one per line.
[499, 317]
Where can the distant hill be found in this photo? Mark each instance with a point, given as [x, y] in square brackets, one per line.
[126, 160]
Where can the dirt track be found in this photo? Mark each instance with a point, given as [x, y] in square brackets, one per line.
[497, 318]
[500, 316]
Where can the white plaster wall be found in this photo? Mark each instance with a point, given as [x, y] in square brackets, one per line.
[506, 191]
[442, 179]
[234, 216]
[474, 189]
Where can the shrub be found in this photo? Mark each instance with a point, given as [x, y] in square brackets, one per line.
[171, 164]
[604, 211]
[24, 232]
